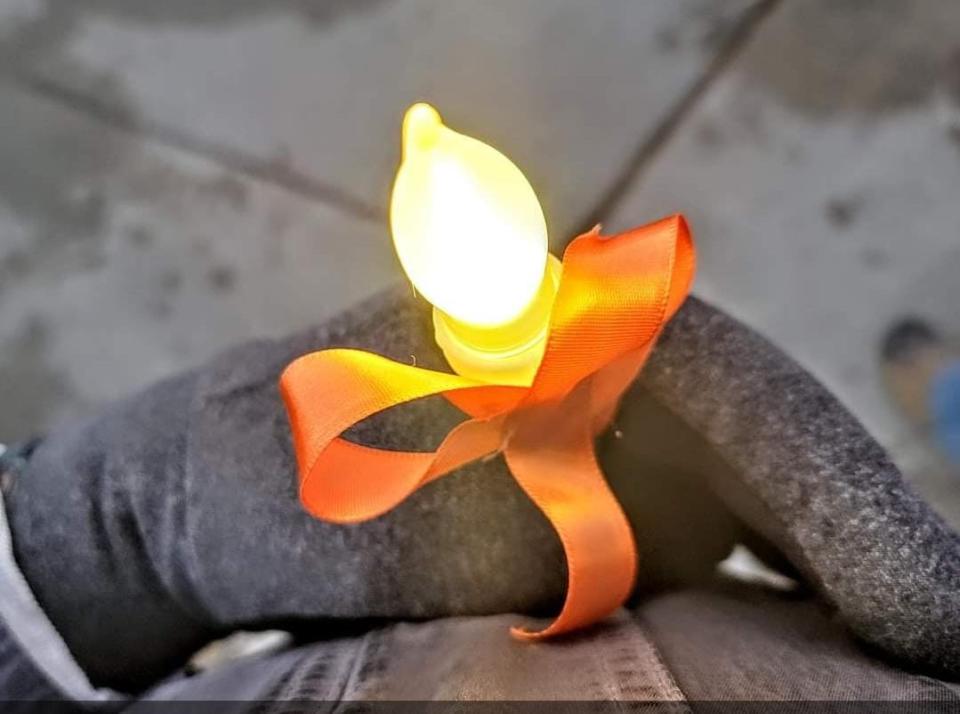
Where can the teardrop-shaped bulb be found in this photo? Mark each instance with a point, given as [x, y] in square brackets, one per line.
[466, 223]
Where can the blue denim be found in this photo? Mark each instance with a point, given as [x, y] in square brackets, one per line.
[945, 408]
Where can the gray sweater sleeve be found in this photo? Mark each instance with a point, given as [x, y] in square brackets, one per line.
[799, 468]
[91, 558]
[172, 516]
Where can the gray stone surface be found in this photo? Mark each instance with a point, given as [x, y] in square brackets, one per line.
[321, 87]
[122, 261]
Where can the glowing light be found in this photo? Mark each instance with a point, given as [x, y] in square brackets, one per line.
[466, 223]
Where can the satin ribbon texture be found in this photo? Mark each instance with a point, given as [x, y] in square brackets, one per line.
[614, 297]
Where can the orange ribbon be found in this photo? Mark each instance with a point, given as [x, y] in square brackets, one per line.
[614, 297]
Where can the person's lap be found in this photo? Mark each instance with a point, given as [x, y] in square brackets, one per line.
[708, 644]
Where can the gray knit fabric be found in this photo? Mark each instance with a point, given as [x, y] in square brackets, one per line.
[806, 475]
[173, 515]
[91, 521]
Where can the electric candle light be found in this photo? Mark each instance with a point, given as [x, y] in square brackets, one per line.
[471, 236]
[542, 351]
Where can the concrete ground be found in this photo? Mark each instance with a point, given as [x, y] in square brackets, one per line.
[178, 176]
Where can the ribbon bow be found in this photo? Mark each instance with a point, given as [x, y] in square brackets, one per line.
[614, 297]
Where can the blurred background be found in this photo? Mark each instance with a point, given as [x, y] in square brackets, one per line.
[182, 175]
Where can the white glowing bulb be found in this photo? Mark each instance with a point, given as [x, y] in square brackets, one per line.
[466, 223]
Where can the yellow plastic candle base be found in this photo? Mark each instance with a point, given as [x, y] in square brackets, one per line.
[505, 354]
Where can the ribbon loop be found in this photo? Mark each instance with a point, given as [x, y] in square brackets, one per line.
[334, 484]
[614, 297]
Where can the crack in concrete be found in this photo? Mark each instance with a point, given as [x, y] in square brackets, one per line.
[276, 172]
[664, 131]
[280, 173]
